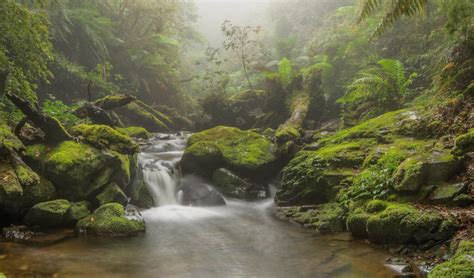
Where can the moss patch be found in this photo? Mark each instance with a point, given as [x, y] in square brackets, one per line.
[105, 137]
[110, 220]
[461, 265]
[245, 152]
[464, 143]
[48, 214]
[135, 132]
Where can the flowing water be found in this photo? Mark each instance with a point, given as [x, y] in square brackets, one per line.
[238, 240]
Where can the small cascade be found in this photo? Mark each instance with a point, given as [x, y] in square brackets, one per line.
[159, 163]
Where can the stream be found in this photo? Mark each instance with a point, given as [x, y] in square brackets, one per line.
[241, 239]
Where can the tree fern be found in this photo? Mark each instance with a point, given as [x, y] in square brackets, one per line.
[393, 10]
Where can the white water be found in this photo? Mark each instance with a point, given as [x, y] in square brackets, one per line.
[160, 167]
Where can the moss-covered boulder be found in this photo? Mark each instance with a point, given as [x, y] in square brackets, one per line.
[135, 132]
[432, 169]
[315, 177]
[77, 211]
[105, 137]
[245, 152]
[464, 143]
[404, 224]
[447, 192]
[111, 220]
[331, 219]
[230, 184]
[49, 214]
[112, 194]
[138, 113]
[460, 265]
[357, 223]
[77, 170]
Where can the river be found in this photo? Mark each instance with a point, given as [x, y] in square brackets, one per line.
[241, 239]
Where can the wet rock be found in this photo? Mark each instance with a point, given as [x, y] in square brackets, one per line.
[230, 184]
[24, 234]
[201, 195]
[141, 196]
[401, 266]
[112, 220]
[357, 223]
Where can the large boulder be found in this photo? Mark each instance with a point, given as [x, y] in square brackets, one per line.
[433, 169]
[112, 220]
[247, 153]
[460, 265]
[395, 223]
[78, 170]
[315, 177]
[141, 196]
[200, 194]
[49, 214]
[77, 211]
[230, 184]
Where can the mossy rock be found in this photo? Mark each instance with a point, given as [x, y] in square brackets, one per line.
[112, 194]
[404, 224]
[105, 137]
[49, 214]
[77, 170]
[138, 113]
[230, 184]
[308, 179]
[357, 223]
[433, 169]
[464, 143]
[15, 197]
[445, 193]
[111, 220]
[135, 132]
[331, 219]
[461, 265]
[77, 211]
[245, 152]
[7, 139]
[141, 197]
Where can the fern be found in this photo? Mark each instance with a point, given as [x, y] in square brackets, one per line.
[393, 10]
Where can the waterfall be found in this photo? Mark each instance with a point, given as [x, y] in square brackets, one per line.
[159, 163]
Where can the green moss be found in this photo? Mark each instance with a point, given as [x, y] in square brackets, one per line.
[402, 223]
[331, 219]
[77, 211]
[25, 175]
[408, 176]
[77, 170]
[464, 143]
[242, 151]
[103, 136]
[48, 214]
[135, 132]
[387, 123]
[138, 113]
[461, 265]
[112, 194]
[110, 220]
[357, 223]
[376, 206]
[7, 138]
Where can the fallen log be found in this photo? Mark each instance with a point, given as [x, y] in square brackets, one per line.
[52, 128]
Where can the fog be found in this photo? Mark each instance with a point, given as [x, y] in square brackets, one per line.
[241, 12]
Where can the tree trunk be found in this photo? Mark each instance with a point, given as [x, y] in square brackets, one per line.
[290, 130]
[98, 111]
[52, 128]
